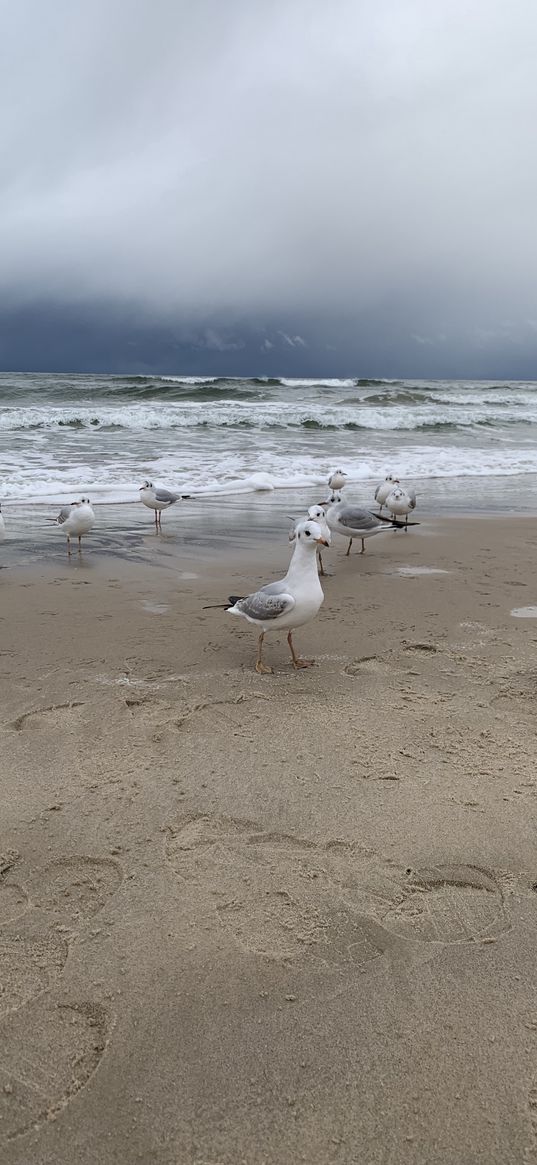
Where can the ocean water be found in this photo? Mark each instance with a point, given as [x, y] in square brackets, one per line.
[463, 444]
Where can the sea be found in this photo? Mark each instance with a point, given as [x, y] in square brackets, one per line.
[464, 445]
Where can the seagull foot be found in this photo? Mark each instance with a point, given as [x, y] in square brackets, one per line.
[263, 669]
[298, 663]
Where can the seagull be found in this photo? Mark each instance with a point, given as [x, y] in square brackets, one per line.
[400, 502]
[77, 518]
[158, 500]
[385, 487]
[2, 526]
[292, 601]
[317, 514]
[353, 521]
[337, 479]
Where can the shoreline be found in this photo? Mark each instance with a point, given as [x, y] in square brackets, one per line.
[195, 531]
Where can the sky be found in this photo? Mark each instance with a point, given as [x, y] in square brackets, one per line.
[285, 186]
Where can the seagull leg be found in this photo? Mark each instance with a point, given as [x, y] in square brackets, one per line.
[80, 543]
[69, 546]
[349, 548]
[261, 668]
[363, 547]
[296, 661]
[321, 564]
[406, 524]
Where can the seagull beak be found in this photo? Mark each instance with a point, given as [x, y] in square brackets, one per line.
[327, 503]
[322, 542]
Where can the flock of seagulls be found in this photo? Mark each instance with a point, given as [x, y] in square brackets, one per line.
[399, 502]
[294, 600]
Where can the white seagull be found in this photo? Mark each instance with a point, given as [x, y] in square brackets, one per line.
[158, 500]
[337, 479]
[317, 514]
[353, 521]
[2, 526]
[76, 519]
[400, 502]
[290, 602]
[384, 488]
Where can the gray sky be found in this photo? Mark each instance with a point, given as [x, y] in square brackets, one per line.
[280, 160]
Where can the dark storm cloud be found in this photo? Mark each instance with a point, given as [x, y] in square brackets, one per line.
[275, 162]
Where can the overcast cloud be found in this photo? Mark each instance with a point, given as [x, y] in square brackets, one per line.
[278, 160]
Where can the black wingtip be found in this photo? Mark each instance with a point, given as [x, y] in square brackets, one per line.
[397, 525]
[224, 606]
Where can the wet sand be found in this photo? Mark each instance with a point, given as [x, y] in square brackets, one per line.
[270, 919]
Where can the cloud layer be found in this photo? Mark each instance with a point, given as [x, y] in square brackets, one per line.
[372, 158]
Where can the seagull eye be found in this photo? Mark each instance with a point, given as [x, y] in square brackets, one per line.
[307, 533]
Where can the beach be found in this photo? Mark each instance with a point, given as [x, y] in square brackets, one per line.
[259, 920]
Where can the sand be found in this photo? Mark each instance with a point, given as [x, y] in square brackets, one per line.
[271, 919]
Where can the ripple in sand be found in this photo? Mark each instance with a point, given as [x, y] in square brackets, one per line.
[524, 612]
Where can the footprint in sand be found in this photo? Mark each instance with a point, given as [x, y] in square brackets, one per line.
[449, 904]
[366, 664]
[49, 1048]
[274, 894]
[286, 899]
[66, 716]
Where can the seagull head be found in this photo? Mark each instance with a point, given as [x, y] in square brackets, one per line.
[147, 485]
[309, 533]
[337, 479]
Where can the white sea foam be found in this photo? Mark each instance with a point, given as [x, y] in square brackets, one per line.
[222, 414]
[60, 437]
[118, 479]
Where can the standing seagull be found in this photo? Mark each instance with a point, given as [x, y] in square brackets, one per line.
[2, 526]
[76, 519]
[158, 500]
[400, 502]
[292, 601]
[385, 487]
[337, 479]
[353, 521]
[317, 514]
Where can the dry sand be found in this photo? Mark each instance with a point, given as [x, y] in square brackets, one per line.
[275, 919]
